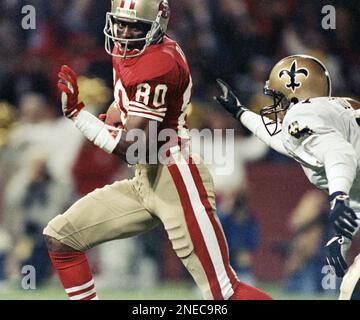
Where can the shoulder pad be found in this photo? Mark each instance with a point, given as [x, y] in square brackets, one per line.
[155, 65]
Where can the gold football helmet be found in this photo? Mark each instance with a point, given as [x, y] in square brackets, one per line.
[153, 14]
[293, 79]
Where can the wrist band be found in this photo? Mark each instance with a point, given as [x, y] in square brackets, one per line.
[96, 131]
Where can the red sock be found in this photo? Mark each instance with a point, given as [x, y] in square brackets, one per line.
[246, 292]
[75, 275]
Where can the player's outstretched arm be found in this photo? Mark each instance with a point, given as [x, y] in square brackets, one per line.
[230, 102]
[93, 128]
[339, 159]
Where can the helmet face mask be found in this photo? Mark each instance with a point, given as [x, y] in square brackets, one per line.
[129, 46]
[272, 115]
[150, 16]
[293, 79]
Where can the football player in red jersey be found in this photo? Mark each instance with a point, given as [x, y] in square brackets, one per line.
[152, 85]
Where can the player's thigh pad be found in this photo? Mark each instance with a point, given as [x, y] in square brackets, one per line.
[109, 213]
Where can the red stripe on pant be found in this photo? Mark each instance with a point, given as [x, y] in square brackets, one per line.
[132, 5]
[195, 233]
[219, 234]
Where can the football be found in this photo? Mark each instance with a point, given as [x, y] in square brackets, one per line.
[113, 117]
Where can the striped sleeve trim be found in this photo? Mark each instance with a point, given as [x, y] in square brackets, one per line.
[140, 110]
[140, 105]
[136, 109]
[147, 115]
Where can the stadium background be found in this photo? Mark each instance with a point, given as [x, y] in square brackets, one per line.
[237, 40]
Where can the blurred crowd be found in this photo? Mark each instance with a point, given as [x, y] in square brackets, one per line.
[45, 162]
[238, 40]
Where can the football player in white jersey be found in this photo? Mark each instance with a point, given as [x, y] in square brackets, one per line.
[320, 132]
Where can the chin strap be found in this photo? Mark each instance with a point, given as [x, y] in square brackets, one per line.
[104, 136]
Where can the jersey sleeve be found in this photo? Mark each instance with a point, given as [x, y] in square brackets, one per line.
[158, 78]
[310, 139]
[253, 122]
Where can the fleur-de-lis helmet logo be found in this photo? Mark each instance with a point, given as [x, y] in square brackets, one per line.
[293, 74]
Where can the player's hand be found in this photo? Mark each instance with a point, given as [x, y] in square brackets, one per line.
[67, 84]
[229, 100]
[342, 217]
[102, 117]
[337, 248]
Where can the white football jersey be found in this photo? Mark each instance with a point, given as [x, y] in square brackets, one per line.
[322, 134]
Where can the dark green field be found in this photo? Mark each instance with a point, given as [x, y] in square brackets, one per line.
[165, 291]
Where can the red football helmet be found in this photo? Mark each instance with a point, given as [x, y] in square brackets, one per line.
[152, 14]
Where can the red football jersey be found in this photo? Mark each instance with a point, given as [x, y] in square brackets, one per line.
[155, 85]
